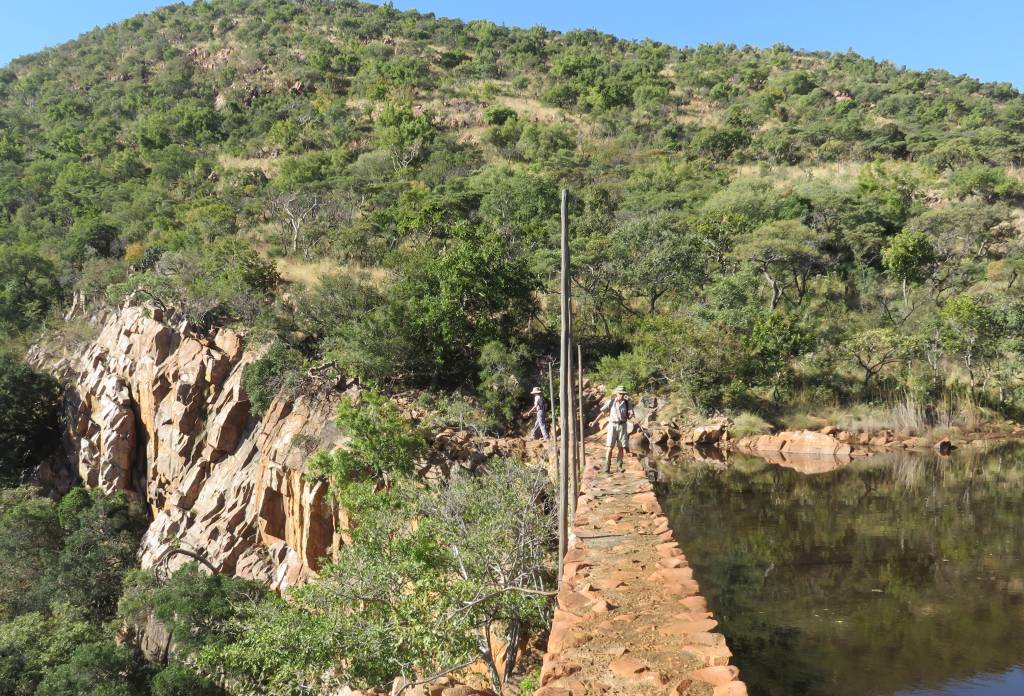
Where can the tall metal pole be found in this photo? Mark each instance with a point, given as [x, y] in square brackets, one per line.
[563, 394]
[579, 392]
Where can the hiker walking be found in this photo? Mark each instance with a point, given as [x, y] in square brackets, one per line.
[540, 407]
[619, 410]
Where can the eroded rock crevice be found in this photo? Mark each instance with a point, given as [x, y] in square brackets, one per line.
[161, 413]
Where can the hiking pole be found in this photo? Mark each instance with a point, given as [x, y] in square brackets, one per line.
[583, 427]
[644, 431]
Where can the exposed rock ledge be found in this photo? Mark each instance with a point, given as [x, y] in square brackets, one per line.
[161, 413]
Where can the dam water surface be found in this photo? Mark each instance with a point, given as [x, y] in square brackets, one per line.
[897, 575]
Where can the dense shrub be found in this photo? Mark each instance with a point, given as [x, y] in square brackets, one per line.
[29, 402]
[264, 378]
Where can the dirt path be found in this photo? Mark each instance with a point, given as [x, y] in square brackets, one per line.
[630, 620]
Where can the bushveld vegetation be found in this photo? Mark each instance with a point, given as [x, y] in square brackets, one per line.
[769, 233]
[754, 230]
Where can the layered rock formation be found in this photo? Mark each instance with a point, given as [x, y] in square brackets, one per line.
[161, 413]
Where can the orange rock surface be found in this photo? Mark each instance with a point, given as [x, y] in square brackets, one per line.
[161, 413]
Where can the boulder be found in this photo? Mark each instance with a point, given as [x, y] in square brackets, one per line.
[801, 442]
[710, 434]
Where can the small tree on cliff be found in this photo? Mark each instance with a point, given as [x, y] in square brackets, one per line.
[382, 447]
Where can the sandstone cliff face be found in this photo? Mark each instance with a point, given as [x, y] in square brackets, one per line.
[161, 413]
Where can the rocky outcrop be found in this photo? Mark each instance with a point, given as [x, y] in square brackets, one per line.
[709, 434]
[161, 413]
[807, 442]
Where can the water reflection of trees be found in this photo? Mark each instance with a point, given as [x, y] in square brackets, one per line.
[885, 574]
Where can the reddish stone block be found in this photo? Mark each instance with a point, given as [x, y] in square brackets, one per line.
[713, 655]
[695, 603]
[627, 667]
[556, 668]
[679, 689]
[716, 675]
[687, 626]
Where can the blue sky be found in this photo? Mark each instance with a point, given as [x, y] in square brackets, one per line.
[981, 38]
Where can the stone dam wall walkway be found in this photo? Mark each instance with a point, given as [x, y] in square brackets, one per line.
[630, 619]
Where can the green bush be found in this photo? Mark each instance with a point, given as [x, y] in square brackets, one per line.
[177, 679]
[29, 401]
[748, 424]
[503, 371]
[280, 368]
[382, 444]
[29, 287]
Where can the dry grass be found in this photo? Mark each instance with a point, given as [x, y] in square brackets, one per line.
[864, 418]
[803, 421]
[536, 110]
[785, 174]
[268, 166]
[1016, 172]
[298, 271]
[700, 113]
[953, 414]
[295, 269]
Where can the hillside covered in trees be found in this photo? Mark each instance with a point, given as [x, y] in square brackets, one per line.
[753, 230]
[769, 234]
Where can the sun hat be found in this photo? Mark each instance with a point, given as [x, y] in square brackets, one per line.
[536, 390]
[620, 390]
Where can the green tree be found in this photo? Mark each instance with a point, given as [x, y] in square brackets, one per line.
[177, 679]
[776, 338]
[479, 290]
[100, 544]
[652, 255]
[910, 257]
[34, 644]
[211, 285]
[970, 331]
[502, 374]
[382, 444]
[986, 182]
[406, 599]
[787, 254]
[193, 604]
[405, 136]
[29, 401]
[28, 288]
[31, 540]
[264, 378]
[99, 668]
[874, 350]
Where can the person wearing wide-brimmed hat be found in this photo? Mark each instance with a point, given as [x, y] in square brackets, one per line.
[540, 407]
[619, 410]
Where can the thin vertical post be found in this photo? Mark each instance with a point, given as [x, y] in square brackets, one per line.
[563, 396]
[574, 443]
[552, 433]
[579, 392]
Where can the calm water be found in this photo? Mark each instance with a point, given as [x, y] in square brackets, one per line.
[897, 575]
